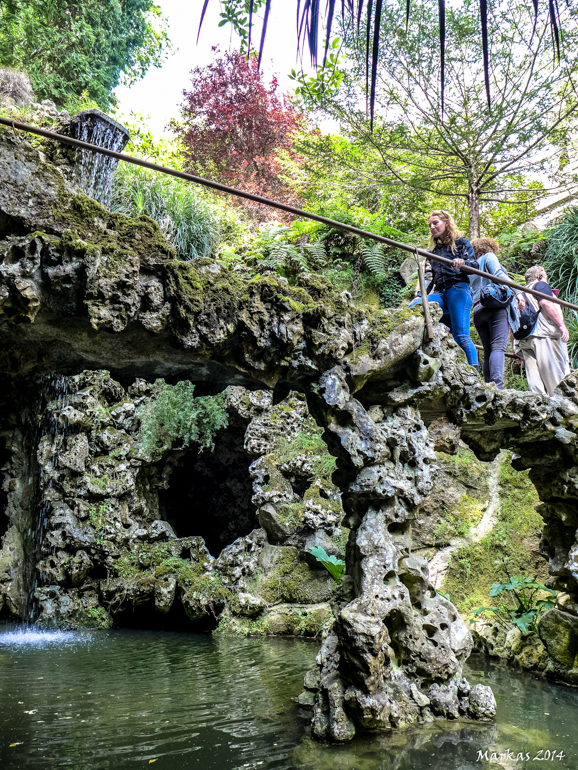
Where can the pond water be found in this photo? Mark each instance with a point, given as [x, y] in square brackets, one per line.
[135, 699]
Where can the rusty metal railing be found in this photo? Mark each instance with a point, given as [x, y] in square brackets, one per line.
[16, 125]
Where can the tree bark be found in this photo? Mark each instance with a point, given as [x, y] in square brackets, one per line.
[474, 211]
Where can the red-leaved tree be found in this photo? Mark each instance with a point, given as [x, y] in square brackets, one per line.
[234, 128]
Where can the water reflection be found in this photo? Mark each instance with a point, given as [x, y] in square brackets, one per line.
[120, 699]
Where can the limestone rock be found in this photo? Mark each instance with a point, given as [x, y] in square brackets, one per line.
[81, 287]
[299, 619]
[482, 702]
[250, 605]
[164, 592]
[559, 632]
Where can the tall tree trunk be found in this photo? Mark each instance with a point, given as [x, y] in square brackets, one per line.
[474, 211]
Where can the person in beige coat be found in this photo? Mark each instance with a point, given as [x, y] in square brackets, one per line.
[544, 350]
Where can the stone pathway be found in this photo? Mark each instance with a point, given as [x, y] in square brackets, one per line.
[438, 564]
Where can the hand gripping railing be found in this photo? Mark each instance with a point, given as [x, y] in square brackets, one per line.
[14, 124]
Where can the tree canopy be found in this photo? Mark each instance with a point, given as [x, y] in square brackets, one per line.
[460, 149]
[311, 19]
[70, 48]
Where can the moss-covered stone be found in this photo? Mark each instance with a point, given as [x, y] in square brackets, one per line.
[289, 579]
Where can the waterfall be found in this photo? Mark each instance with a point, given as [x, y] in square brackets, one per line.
[91, 171]
[52, 429]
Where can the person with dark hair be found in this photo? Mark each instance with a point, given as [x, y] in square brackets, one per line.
[544, 349]
[491, 322]
[452, 285]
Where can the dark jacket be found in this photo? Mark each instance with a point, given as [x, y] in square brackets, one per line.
[443, 275]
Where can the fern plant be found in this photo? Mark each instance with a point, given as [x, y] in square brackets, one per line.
[374, 259]
[287, 258]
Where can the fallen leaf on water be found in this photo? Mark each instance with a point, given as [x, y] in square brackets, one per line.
[16, 744]
[151, 761]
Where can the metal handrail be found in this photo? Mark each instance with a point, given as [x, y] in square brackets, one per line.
[16, 125]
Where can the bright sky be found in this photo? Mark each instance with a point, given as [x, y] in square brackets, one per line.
[159, 93]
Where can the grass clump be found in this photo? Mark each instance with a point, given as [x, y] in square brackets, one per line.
[188, 220]
[507, 549]
[561, 261]
[175, 414]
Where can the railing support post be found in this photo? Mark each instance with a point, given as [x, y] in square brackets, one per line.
[424, 302]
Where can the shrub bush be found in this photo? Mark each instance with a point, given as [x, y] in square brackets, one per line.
[175, 414]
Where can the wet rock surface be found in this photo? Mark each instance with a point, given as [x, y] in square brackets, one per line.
[83, 289]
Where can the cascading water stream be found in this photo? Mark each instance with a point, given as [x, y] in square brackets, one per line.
[90, 171]
[51, 432]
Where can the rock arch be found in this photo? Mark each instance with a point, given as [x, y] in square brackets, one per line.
[81, 288]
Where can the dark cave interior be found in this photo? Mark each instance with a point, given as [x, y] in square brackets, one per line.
[209, 493]
[144, 617]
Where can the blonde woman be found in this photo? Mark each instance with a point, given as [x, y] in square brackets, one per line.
[449, 283]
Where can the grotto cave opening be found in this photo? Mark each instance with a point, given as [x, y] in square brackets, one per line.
[209, 493]
[144, 617]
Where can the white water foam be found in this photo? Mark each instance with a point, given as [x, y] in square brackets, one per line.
[33, 637]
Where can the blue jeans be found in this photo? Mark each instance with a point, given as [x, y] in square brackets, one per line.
[457, 303]
[435, 297]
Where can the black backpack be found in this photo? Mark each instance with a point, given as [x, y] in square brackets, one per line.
[528, 318]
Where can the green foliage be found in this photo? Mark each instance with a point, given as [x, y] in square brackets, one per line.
[188, 220]
[516, 254]
[174, 414]
[520, 606]
[572, 324]
[236, 13]
[70, 48]
[473, 157]
[144, 144]
[335, 566]
[561, 261]
[287, 250]
[326, 81]
[97, 514]
[93, 617]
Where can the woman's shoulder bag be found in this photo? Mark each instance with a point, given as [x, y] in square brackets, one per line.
[495, 295]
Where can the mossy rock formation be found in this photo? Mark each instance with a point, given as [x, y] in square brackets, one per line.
[81, 289]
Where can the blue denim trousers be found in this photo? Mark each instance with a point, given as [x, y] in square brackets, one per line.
[456, 304]
[435, 297]
[458, 300]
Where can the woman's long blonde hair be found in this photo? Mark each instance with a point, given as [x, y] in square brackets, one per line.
[451, 233]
